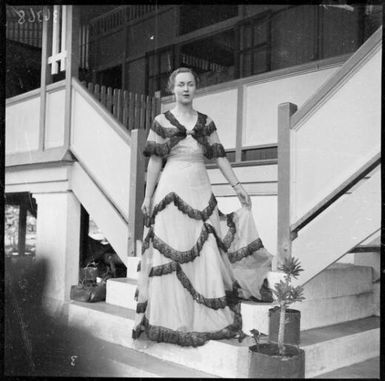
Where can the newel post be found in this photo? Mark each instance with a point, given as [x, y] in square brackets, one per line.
[285, 111]
[137, 181]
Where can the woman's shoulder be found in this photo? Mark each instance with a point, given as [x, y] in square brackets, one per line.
[162, 126]
[207, 123]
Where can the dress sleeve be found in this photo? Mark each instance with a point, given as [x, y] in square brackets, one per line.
[216, 147]
[156, 144]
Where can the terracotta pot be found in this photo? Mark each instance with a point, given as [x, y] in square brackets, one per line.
[265, 362]
[292, 328]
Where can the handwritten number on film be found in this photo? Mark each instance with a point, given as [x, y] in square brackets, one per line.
[35, 15]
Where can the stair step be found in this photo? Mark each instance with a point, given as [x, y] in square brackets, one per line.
[126, 362]
[121, 292]
[326, 348]
[340, 293]
[340, 279]
[365, 369]
[340, 345]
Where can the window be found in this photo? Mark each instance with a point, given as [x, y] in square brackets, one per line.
[159, 65]
[255, 45]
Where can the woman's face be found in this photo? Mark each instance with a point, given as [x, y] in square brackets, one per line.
[184, 88]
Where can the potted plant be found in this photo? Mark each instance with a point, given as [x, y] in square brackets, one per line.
[279, 359]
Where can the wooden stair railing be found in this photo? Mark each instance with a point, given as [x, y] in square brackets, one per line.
[134, 111]
[290, 119]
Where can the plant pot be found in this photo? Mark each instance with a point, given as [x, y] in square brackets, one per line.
[292, 328]
[265, 362]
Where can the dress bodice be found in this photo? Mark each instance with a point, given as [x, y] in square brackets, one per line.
[170, 139]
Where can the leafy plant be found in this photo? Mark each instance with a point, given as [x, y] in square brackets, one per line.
[257, 337]
[287, 294]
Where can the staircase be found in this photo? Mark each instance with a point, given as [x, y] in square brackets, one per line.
[338, 326]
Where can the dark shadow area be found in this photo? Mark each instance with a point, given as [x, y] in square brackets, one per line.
[37, 344]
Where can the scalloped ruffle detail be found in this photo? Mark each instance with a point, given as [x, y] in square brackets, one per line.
[194, 339]
[161, 149]
[184, 207]
[190, 255]
[244, 252]
[213, 303]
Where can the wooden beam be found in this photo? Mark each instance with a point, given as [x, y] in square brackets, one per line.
[45, 74]
[285, 111]
[72, 63]
[135, 224]
[239, 126]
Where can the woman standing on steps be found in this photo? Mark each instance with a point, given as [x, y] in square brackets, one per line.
[196, 262]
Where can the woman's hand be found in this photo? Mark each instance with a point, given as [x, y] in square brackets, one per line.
[146, 206]
[243, 196]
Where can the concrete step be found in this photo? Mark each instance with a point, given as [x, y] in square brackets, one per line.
[125, 362]
[93, 357]
[340, 345]
[340, 279]
[342, 292]
[365, 369]
[326, 348]
[121, 292]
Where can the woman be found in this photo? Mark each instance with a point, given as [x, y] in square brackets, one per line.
[196, 262]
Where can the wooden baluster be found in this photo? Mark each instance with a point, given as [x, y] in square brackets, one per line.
[137, 111]
[97, 92]
[91, 87]
[125, 109]
[114, 102]
[103, 95]
[109, 99]
[130, 111]
[119, 105]
[148, 113]
[142, 112]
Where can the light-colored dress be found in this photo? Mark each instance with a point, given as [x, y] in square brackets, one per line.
[196, 262]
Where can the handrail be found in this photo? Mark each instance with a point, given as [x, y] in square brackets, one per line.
[23, 97]
[331, 85]
[116, 125]
[109, 199]
[269, 76]
[336, 194]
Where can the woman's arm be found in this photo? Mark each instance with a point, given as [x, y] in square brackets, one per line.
[230, 176]
[153, 170]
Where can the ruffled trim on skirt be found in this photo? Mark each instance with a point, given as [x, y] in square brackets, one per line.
[194, 339]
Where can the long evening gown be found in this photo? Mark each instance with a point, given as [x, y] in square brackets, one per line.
[196, 262]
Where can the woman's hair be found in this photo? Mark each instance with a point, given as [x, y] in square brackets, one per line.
[171, 78]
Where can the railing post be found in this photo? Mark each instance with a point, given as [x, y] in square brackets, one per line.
[72, 18]
[285, 111]
[239, 127]
[45, 78]
[135, 217]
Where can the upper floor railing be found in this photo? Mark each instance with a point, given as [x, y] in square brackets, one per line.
[118, 17]
[24, 24]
